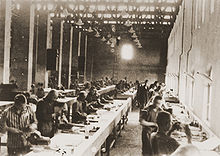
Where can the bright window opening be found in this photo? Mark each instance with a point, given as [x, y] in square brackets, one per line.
[127, 52]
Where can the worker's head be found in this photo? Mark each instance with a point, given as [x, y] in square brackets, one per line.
[20, 102]
[145, 83]
[52, 95]
[32, 86]
[164, 121]
[157, 101]
[158, 89]
[92, 90]
[186, 150]
[156, 83]
[87, 85]
[81, 96]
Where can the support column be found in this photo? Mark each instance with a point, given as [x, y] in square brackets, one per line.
[56, 25]
[60, 54]
[31, 41]
[70, 57]
[48, 46]
[78, 52]
[7, 41]
[86, 42]
[41, 47]
[79, 43]
[49, 32]
[21, 52]
[91, 74]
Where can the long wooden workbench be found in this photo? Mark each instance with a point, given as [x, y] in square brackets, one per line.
[132, 93]
[106, 89]
[72, 91]
[4, 105]
[107, 123]
[70, 100]
[202, 136]
[77, 145]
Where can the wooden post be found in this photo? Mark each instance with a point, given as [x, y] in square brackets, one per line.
[91, 74]
[70, 56]
[31, 45]
[7, 43]
[48, 46]
[79, 42]
[60, 54]
[86, 40]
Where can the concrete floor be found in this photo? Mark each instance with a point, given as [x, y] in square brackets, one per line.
[129, 144]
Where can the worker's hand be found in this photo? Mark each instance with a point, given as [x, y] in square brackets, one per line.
[175, 126]
[14, 130]
[30, 128]
[54, 115]
[154, 125]
[188, 133]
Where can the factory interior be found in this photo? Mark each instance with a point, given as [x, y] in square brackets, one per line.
[109, 77]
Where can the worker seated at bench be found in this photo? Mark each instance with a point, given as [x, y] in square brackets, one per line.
[162, 142]
[46, 115]
[81, 108]
[93, 98]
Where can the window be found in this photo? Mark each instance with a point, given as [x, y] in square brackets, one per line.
[203, 11]
[212, 6]
[196, 13]
[127, 52]
[191, 94]
[207, 102]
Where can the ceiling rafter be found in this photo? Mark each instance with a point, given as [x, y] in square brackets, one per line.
[157, 16]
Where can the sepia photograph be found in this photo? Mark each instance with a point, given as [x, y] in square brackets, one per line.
[109, 77]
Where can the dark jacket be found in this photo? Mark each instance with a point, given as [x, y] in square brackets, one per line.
[44, 112]
[142, 96]
[79, 111]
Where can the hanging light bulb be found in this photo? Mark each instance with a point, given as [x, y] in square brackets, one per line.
[90, 29]
[136, 40]
[97, 34]
[103, 39]
[119, 38]
[131, 30]
[128, 23]
[138, 43]
[112, 50]
[134, 35]
[112, 45]
[124, 13]
[108, 42]
[66, 13]
[79, 22]
[113, 40]
[140, 46]
[113, 28]
[109, 35]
